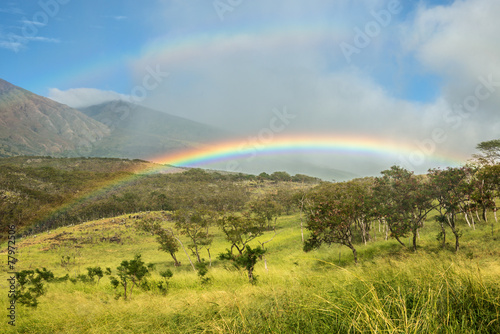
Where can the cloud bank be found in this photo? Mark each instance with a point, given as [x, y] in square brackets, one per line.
[84, 97]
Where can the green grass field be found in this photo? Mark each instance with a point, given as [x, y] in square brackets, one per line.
[391, 290]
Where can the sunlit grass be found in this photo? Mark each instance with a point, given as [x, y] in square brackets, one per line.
[392, 290]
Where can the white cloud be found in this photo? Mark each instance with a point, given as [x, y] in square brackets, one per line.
[460, 40]
[461, 43]
[13, 46]
[36, 23]
[17, 43]
[84, 97]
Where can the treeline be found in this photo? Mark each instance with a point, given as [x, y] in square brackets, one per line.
[401, 202]
[39, 193]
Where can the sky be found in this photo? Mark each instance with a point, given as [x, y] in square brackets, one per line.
[423, 74]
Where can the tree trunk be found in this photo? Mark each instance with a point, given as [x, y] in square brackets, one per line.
[397, 238]
[301, 219]
[467, 219]
[443, 230]
[209, 256]
[363, 230]
[176, 263]
[250, 275]
[354, 253]
[197, 254]
[457, 244]
[189, 258]
[451, 223]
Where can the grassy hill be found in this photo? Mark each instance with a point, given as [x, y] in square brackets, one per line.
[392, 290]
[66, 224]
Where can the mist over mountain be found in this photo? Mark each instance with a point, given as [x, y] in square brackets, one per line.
[140, 132]
[34, 125]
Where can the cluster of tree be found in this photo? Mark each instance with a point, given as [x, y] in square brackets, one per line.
[241, 221]
[31, 284]
[285, 177]
[239, 229]
[402, 201]
[31, 195]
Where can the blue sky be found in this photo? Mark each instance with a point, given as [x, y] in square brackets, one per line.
[229, 63]
[75, 35]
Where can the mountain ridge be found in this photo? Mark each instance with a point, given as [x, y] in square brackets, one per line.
[141, 132]
[31, 124]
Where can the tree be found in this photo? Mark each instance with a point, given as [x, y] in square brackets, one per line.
[266, 208]
[95, 272]
[202, 271]
[168, 243]
[130, 274]
[452, 189]
[166, 275]
[489, 152]
[165, 237]
[246, 259]
[30, 283]
[280, 176]
[195, 225]
[487, 188]
[241, 229]
[404, 201]
[335, 210]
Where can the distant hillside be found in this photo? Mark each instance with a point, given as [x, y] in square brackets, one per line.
[33, 125]
[102, 165]
[139, 132]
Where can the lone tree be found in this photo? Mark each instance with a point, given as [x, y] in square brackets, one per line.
[130, 274]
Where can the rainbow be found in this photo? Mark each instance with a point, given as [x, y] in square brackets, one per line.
[237, 150]
[174, 50]
[240, 149]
